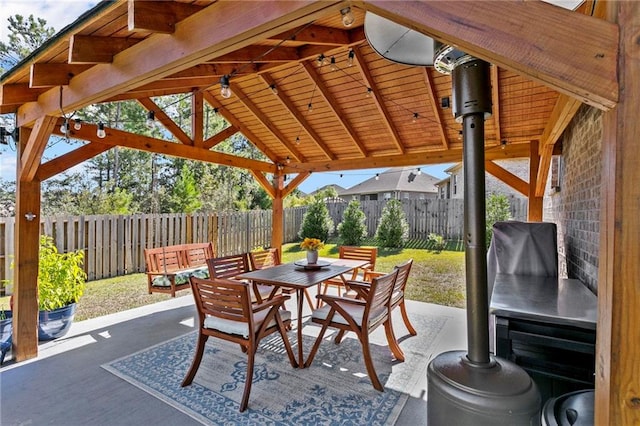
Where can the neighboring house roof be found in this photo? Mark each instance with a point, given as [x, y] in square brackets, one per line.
[405, 179]
[338, 189]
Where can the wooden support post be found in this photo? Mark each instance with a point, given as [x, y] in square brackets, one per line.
[277, 232]
[617, 399]
[25, 271]
[534, 213]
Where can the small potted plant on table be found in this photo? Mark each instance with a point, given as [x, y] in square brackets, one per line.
[312, 245]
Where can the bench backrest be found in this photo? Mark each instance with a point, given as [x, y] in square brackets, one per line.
[176, 257]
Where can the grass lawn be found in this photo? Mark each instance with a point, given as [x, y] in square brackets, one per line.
[436, 277]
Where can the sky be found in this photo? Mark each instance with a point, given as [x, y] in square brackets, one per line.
[59, 13]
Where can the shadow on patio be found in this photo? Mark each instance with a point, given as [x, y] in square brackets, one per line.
[67, 384]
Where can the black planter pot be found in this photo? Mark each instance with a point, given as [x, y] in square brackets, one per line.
[56, 323]
[6, 332]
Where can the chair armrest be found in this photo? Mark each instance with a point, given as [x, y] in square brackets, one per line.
[275, 301]
[333, 299]
[370, 275]
[359, 285]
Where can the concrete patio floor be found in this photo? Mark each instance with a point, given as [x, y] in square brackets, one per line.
[66, 385]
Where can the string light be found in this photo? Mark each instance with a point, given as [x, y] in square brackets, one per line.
[225, 90]
[77, 124]
[321, 59]
[151, 119]
[101, 133]
[297, 140]
[419, 171]
[350, 57]
[377, 176]
[334, 66]
[503, 144]
[273, 88]
[369, 90]
[64, 127]
[310, 107]
[347, 17]
[215, 111]
[288, 159]
[415, 117]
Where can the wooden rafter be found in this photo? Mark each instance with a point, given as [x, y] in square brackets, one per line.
[299, 118]
[17, 94]
[295, 182]
[215, 70]
[316, 34]
[507, 177]
[258, 54]
[30, 158]
[268, 125]
[264, 183]
[158, 16]
[53, 74]
[165, 120]
[157, 57]
[433, 102]
[145, 143]
[337, 111]
[219, 137]
[241, 128]
[96, 50]
[563, 112]
[551, 56]
[377, 98]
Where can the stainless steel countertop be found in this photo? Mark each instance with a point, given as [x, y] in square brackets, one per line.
[547, 299]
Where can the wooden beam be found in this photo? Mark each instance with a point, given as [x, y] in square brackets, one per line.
[238, 24]
[264, 120]
[165, 120]
[97, 50]
[507, 177]
[277, 221]
[378, 100]
[25, 271]
[18, 94]
[331, 101]
[295, 182]
[532, 38]
[299, 118]
[214, 71]
[435, 105]
[264, 183]
[158, 16]
[316, 34]
[70, 159]
[241, 127]
[563, 112]
[197, 118]
[617, 399]
[144, 143]
[534, 211]
[258, 54]
[54, 74]
[30, 158]
[219, 137]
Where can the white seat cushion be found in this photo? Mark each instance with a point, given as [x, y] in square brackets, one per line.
[242, 328]
[355, 311]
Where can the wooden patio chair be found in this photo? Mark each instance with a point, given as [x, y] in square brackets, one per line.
[229, 267]
[271, 257]
[368, 254]
[361, 288]
[361, 316]
[225, 311]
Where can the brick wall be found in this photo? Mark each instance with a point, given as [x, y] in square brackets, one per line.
[575, 208]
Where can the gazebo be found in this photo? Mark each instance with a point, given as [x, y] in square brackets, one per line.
[309, 91]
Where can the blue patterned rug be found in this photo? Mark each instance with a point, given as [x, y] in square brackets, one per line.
[334, 390]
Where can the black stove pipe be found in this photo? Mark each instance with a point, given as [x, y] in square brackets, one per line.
[472, 103]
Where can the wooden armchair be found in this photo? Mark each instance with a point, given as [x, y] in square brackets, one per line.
[397, 296]
[225, 311]
[229, 267]
[368, 254]
[361, 316]
[268, 258]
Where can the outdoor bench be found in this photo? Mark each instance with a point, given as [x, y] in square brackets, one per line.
[168, 268]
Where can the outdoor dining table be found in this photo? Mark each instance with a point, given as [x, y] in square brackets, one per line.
[300, 276]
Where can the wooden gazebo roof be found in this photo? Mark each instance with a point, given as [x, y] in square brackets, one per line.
[546, 62]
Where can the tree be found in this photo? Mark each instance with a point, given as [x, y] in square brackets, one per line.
[25, 36]
[498, 209]
[185, 197]
[316, 222]
[352, 229]
[393, 227]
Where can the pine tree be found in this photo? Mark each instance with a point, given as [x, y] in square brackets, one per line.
[353, 229]
[316, 222]
[393, 227]
[498, 209]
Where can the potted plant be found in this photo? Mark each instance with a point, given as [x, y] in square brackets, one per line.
[312, 245]
[61, 282]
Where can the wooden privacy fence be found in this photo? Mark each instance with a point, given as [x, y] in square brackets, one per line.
[114, 245]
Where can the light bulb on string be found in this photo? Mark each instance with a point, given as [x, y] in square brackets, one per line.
[151, 119]
[334, 66]
[321, 60]
[215, 111]
[64, 127]
[369, 91]
[419, 171]
[77, 124]
[310, 107]
[415, 117]
[101, 132]
[377, 176]
[350, 57]
[347, 17]
[297, 140]
[288, 159]
[225, 90]
[273, 88]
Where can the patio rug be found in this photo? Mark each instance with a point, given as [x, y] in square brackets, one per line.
[334, 390]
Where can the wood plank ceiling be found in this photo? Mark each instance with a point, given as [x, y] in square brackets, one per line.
[322, 117]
